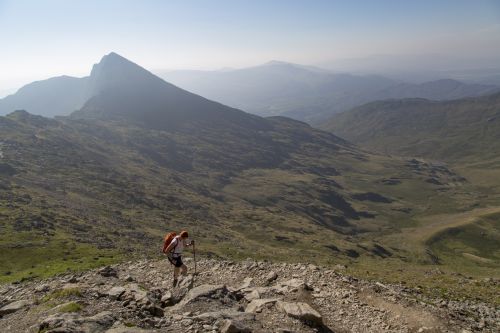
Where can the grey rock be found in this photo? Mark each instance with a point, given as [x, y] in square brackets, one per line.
[123, 329]
[70, 322]
[246, 283]
[134, 292]
[72, 279]
[291, 285]
[271, 276]
[154, 310]
[115, 292]
[42, 288]
[257, 304]
[203, 291]
[128, 278]
[254, 294]
[108, 271]
[233, 326]
[166, 299]
[186, 282]
[225, 314]
[13, 307]
[302, 311]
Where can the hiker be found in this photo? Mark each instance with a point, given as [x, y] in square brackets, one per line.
[174, 253]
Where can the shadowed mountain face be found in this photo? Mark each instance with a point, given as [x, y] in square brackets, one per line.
[122, 90]
[308, 93]
[460, 130]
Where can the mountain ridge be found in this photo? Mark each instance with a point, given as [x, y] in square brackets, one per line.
[308, 93]
[447, 130]
[302, 92]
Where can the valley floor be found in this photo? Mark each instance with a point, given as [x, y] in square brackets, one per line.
[228, 296]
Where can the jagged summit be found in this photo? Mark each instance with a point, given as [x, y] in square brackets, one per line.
[120, 89]
[116, 71]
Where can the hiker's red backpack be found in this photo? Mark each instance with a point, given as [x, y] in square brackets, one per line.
[167, 240]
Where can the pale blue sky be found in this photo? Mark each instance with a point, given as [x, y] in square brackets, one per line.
[54, 37]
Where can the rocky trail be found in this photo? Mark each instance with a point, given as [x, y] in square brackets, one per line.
[228, 296]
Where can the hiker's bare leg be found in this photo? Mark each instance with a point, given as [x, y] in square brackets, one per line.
[176, 272]
[184, 269]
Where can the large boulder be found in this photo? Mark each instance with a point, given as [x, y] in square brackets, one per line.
[257, 304]
[124, 329]
[115, 293]
[133, 292]
[70, 322]
[302, 311]
[204, 291]
[235, 326]
[13, 307]
[225, 314]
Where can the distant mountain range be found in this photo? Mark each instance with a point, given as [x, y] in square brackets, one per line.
[277, 88]
[308, 93]
[459, 130]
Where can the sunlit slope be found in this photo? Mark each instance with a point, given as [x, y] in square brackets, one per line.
[466, 130]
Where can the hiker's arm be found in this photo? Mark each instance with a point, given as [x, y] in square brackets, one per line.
[188, 244]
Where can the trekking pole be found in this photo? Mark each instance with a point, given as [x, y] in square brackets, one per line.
[194, 257]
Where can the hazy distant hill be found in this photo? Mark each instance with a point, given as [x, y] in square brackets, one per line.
[308, 93]
[279, 88]
[276, 88]
[56, 96]
[449, 130]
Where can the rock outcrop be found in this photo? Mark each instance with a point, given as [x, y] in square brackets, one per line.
[226, 296]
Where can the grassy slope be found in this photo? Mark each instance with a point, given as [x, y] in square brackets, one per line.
[465, 134]
[460, 130]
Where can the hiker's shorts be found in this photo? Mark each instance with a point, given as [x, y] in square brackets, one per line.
[176, 261]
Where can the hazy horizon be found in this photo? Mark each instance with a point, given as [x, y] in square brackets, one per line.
[66, 38]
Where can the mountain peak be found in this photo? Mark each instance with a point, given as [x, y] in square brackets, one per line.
[115, 57]
[279, 63]
[112, 62]
[115, 71]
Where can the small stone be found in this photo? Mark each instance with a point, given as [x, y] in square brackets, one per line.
[42, 288]
[72, 279]
[166, 299]
[108, 271]
[271, 276]
[186, 322]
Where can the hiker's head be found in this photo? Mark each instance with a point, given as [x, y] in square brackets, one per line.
[184, 234]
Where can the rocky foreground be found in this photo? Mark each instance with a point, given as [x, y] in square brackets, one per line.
[230, 296]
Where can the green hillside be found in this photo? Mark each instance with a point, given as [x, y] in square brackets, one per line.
[465, 130]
